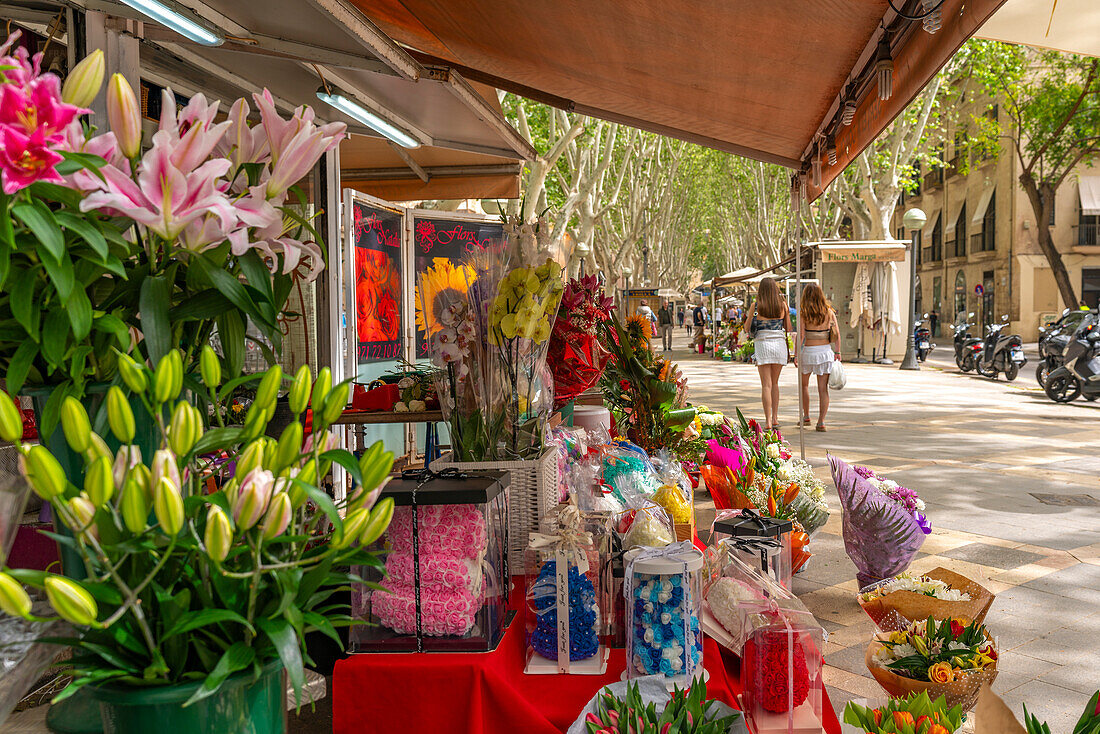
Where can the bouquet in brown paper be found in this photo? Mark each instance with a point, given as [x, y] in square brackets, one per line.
[940, 593]
[992, 716]
[952, 658]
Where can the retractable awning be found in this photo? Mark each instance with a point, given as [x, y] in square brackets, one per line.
[733, 276]
[953, 217]
[983, 204]
[759, 78]
[1065, 25]
[929, 227]
[1088, 189]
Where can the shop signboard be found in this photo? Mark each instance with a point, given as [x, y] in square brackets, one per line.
[376, 236]
[442, 247]
[862, 253]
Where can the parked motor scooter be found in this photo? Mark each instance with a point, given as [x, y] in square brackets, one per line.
[922, 339]
[1001, 352]
[1080, 372]
[966, 346]
[1053, 340]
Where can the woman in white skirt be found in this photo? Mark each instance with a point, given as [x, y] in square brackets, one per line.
[817, 331]
[769, 322]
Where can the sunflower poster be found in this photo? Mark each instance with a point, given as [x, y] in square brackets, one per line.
[377, 235]
[442, 248]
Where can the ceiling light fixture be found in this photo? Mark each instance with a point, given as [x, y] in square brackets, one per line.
[933, 15]
[796, 192]
[884, 68]
[356, 111]
[181, 20]
[815, 168]
[830, 148]
[848, 106]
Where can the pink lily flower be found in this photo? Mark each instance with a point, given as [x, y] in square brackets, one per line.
[281, 132]
[194, 135]
[25, 159]
[105, 146]
[243, 143]
[37, 106]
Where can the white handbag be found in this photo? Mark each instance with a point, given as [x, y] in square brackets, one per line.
[837, 377]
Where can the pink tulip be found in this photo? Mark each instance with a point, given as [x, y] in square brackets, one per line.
[124, 115]
[591, 718]
[25, 159]
[666, 727]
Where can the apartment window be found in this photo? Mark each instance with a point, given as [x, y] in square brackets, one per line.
[960, 297]
[937, 240]
[960, 233]
[1050, 222]
[1090, 287]
[1088, 230]
[989, 226]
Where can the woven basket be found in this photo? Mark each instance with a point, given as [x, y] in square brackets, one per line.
[532, 494]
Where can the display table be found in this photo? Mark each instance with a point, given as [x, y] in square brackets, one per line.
[474, 693]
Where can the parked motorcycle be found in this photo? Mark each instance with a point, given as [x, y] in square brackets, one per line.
[1053, 340]
[1079, 374]
[1001, 352]
[922, 339]
[966, 346]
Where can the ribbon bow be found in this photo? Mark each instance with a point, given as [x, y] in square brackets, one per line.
[568, 538]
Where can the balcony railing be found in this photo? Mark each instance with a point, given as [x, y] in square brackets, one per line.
[1088, 234]
[933, 179]
[976, 242]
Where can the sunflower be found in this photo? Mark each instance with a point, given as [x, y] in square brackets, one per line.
[441, 284]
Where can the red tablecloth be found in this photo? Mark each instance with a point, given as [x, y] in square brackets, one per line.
[471, 693]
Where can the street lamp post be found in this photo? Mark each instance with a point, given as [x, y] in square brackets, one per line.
[913, 220]
[627, 272]
[583, 250]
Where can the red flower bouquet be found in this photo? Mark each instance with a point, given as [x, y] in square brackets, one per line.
[576, 358]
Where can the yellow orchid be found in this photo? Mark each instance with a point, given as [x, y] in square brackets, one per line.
[508, 326]
[542, 331]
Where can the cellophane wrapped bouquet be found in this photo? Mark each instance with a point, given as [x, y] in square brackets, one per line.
[576, 357]
[494, 386]
[940, 593]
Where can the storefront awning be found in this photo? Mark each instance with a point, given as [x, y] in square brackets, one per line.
[929, 227]
[953, 217]
[733, 276]
[1066, 25]
[1088, 188]
[758, 78]
[983, 204]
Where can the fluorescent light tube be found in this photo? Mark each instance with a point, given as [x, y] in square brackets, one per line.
[179, 22]
[353, 109]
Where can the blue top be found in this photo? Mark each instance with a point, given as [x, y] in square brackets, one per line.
[759, 324]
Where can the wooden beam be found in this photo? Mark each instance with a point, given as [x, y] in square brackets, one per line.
[358, 26]
[416, 167]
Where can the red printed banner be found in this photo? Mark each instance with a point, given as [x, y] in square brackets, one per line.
[378, 298]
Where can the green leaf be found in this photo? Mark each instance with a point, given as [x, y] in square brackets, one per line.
[194, 620]
[322, 500]
[229, 287]
[231, 332]
[86, 230]
[40, 221]
[217, 438]
[256, 273]
[286, 645]
[206, 304]
[323, 626]
[346, 459]
[154, 317]
[54, 336]
[76, 161]
[313, 579]
[111, 324]
[112, 657]
[20, 365]
[60, 272]
[80, 314]
[24, 306]
[238, 657]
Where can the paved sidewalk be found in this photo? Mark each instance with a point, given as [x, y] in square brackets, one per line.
[978, 452]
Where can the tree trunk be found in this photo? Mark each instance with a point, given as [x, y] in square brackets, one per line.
[1041, 201]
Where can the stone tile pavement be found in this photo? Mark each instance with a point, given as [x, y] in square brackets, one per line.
[975, 450]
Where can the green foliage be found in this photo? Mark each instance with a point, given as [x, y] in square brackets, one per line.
[1089, 723]
[687, 712]
[882, 720]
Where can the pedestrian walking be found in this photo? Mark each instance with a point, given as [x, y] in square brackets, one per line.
[680, 316]
[698, 324]
[814, 354]
[933, 321]
[769, 322]
[664, 325]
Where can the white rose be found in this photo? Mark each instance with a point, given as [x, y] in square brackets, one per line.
[920, 505]
[400, 408]
[406, 382]
[417, 406]
[773, 451]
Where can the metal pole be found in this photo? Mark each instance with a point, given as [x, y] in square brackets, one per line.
[802, 408]
[914, 219]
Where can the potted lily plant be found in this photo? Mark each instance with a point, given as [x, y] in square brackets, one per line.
[202, 581]
[105, 248]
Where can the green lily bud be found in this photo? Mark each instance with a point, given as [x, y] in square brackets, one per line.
[210, 367]
[231, 488]
[299, 391]
[375, 465]
[71, 601]
[181, 429]
[99, 481]
[278, 516]
[354, 523]
[335, 402]
[250, 458]
[168, 377]
[380, 518]
[168, 507]
[321, 387]
[13, 597]
[135, 508]
[119, 415]
[218, 536]
[308, 472]
[43, 472]
[97, 447]
[83, 82]
[132, 374]
[269, 386]
[289, 446]
[11, 419]
[75, 424]
[143, 476]
[84, 511]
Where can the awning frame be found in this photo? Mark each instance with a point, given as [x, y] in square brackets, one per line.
[953, 219]
[983, 204]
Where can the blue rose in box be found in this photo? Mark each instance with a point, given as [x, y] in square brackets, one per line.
[583, 613]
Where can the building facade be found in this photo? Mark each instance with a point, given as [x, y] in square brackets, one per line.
[979, 250]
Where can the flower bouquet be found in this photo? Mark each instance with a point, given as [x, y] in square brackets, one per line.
[196, 576]
[993, 716]
[880, 536]
[576, 357]
[644, 706]
[903, 496]
[493, 383]
[952, 657]
[917, 714]
[940, 593]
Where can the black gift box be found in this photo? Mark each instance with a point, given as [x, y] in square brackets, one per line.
[751, 525]
[447, 488]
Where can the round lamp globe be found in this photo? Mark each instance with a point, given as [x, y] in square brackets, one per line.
[914, 219]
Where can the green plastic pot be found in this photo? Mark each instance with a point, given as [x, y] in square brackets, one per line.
[240, 706]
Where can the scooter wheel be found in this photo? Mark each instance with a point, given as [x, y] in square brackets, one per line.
[1092, 397]
[1011, 371]
[1041, 372]
[1063, 389]
[985, 371]
[968, 362]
